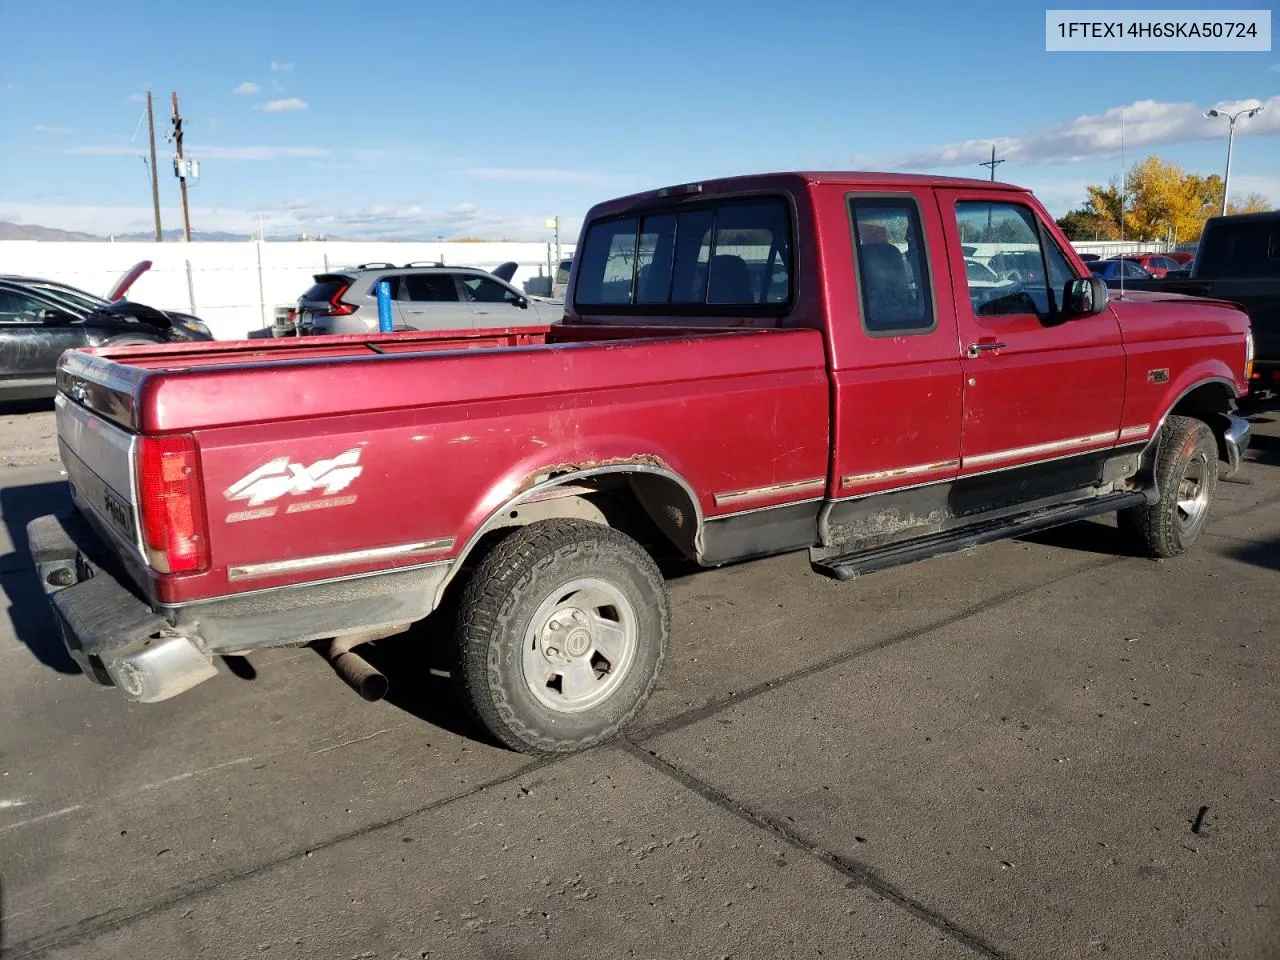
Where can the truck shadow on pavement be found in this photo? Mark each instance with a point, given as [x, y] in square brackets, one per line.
[417, 665]
[1265, 554]
[1264, 449]
[28, 609]
[1087, 536]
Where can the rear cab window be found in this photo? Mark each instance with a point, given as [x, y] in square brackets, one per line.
[894, 287]
[718, 257]
[1240, 249]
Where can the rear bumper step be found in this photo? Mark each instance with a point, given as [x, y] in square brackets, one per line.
[852, 565]
[110, 631]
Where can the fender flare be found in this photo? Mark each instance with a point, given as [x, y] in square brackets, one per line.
[547, 488]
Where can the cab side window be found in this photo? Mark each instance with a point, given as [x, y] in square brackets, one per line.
[1029, 275]
[431, 288]
[893, 275]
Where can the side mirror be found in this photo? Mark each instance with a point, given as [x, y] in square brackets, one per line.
[1085, 297]
[522, 303]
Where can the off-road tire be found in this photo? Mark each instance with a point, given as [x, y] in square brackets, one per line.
[494, 622]
[1187, 447]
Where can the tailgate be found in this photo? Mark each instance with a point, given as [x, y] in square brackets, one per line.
[98, 458]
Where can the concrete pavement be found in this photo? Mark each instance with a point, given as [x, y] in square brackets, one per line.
[999, 754]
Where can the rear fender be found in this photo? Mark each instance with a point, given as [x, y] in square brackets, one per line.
[557, 488]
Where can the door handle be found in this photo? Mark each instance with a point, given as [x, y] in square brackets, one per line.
[977, 348]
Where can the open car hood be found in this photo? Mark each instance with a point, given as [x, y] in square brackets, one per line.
[127, 280]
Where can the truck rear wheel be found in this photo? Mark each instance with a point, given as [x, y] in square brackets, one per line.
[561, 634]
[1187, 476]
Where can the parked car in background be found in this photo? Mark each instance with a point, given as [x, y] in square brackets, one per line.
[1238, 260]
[1088, 257]
[1183, 257]
[422, 298]
[561, 281]
[1115, 269]
[1156, 264]
[41, 319]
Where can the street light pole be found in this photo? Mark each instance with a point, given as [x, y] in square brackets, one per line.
[1231, 136]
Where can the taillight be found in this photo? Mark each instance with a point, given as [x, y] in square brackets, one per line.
[1248, 354]
[170, 504]
[340, 309]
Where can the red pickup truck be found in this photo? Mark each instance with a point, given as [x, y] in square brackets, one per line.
[748, 366]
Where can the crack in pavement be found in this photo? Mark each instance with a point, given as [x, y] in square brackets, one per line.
[859, 874]
[90, 927]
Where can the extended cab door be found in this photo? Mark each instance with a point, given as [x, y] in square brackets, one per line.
[1037, 386]
[895, 361]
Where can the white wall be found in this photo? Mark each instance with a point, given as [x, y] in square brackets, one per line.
[234, 287]
[1114, 248]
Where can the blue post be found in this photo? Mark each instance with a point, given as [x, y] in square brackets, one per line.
[384, 306]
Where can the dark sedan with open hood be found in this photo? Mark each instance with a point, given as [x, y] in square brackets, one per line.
[40, 319]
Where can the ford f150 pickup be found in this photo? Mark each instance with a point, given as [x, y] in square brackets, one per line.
[745, 367]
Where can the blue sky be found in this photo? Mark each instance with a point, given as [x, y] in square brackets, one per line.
[425, 119]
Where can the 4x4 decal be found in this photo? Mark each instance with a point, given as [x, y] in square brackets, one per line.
[281, 477]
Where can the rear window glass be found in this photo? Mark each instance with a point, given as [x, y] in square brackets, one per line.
[728, 255]
[1241, 250]
[324, 290]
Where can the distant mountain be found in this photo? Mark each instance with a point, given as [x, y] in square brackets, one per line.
[31, 231]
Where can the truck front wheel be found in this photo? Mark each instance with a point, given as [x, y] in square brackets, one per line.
[1187, 475]
[561, 633]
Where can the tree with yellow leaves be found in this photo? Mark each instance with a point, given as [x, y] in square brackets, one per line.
[1161, 201]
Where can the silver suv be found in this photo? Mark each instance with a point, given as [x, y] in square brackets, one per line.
[422, 298]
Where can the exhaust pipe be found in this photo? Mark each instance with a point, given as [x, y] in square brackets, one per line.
[357, 672]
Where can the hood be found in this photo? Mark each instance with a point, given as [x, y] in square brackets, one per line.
[127, 280]
[1160, 296]
[506, 271]
[548, 311]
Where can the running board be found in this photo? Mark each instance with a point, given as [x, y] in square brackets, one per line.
[851, 565]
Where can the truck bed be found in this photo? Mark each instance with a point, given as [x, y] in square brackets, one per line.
[134, 386]
[330, 445]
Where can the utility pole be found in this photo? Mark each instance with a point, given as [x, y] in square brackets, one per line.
[180, 169]
[155, 174]
[992, 163]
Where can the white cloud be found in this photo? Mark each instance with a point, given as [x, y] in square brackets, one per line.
[254, 153]
[51, 131]
[137, 98]
[534, 175]
[246, 88]
[1147, 123]
[281, 67]
[283, 106]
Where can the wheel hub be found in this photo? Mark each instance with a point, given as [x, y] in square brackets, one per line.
[583, 639]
